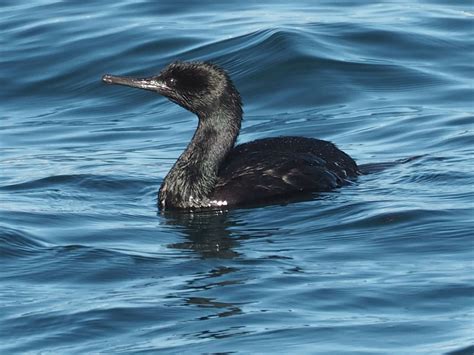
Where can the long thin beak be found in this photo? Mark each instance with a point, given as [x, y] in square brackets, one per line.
[153, 83]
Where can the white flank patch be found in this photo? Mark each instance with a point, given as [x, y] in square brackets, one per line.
[219, 203]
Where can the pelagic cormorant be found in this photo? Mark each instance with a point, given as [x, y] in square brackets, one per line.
[211, 172]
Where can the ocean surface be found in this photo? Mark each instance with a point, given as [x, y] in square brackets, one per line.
[89, 265]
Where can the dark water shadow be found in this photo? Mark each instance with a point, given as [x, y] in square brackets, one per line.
[215, 233]
[208, 232]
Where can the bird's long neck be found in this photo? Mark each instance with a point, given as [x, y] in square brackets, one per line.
[191, 181]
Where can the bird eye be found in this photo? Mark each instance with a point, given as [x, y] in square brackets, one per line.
[172, 81]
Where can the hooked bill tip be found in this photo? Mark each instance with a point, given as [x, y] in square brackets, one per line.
[107, 79]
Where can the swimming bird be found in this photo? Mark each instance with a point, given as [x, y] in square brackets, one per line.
[212, 172]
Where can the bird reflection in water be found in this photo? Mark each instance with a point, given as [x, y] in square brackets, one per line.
[208, 232]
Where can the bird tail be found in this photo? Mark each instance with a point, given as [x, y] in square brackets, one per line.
[372, 168]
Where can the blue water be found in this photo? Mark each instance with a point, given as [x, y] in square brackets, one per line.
[89, 265]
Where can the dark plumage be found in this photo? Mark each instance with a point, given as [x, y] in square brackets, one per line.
[211, 172]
